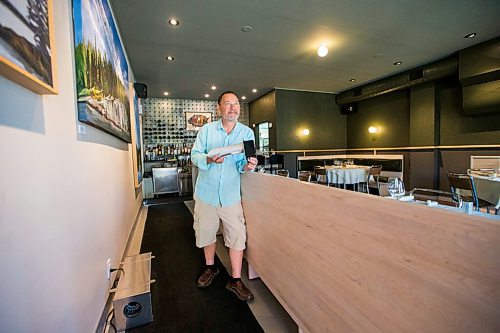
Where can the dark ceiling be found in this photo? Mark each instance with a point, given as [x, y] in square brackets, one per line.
[365, 38]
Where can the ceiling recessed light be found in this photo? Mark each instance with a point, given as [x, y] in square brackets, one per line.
[254, 90]
[165, 93]
[322, 50]
[243, 97]
[207, 95]
[174, 22]
[246, 28]
[169, 58]
[471, 35]
[397, 63]
[214, 87]
[352, 80]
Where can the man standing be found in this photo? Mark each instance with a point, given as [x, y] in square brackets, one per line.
[218, 194]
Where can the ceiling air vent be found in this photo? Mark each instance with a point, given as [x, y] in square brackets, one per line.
[424, 74]
[416, 74]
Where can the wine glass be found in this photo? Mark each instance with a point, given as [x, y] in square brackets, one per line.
[396, 187]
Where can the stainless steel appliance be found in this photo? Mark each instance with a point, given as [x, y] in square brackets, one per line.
[165, 180]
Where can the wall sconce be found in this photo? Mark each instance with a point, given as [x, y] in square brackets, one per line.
[305, 131]
[322, 50]
[374, 132]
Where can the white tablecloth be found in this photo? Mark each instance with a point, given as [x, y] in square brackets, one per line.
[488, 189]
[352, 174]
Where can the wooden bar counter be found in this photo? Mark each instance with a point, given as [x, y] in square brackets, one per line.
[342, 261]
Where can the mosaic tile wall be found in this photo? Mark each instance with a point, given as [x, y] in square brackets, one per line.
[164, 119]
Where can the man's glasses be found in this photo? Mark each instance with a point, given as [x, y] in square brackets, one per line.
[228, 104]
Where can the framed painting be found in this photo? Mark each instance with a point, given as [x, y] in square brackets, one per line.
[102, 83]
[195, 120]
[27, 51]
[136, 140]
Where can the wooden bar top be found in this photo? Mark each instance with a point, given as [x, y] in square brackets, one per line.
[342, 261]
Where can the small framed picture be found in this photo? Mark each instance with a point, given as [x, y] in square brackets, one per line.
[195, 120]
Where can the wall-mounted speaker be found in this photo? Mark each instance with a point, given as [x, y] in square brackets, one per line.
[348, 109]
[141, 90]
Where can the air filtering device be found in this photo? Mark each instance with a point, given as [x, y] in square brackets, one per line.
[132, 299]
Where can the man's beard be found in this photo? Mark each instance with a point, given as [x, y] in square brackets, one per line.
[230, 117]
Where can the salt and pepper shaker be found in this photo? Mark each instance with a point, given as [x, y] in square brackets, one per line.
[467, 207]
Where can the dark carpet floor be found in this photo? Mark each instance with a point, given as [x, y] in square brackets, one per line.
[167, 198]
[178, 304]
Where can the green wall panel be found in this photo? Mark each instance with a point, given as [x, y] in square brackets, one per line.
[317, 112]
[389, 113]
[459, 129]
[423, 116]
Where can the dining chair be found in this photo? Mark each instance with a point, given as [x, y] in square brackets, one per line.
[261, 164]
[442, 197]
[463, 185]
[282, 172]
[321, 176]
[372, 179]
[276, 162]
[305, 176]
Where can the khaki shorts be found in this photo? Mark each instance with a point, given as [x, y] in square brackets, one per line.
[206, 224]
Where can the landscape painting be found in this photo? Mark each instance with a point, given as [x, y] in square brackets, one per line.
[136, 141]
[102, 82]
[26, 44]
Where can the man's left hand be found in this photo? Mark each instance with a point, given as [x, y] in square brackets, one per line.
[251, 165]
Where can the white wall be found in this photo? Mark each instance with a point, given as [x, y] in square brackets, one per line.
[67, 203]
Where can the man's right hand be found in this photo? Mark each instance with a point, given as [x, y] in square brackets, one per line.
[215, 159]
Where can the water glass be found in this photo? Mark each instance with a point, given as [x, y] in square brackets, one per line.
[396, 187]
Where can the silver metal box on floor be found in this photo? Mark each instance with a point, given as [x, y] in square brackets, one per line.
[165, 180]
[132, 300]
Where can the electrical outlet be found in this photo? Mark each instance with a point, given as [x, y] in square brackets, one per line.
[108, 268]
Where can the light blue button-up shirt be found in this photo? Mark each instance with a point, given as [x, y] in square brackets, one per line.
[218, 184]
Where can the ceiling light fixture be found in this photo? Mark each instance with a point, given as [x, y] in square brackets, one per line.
[174, 22]
[322, 50]
[471, 35]
[246, 28]
[165, 93]
[397, 63]
[305, 131]
[372, 129]
[207, 95]
[214, 87]
[254, 90]
[352, 80]
[243, 97]
[169, 58]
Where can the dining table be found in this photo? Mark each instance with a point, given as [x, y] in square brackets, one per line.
[488, 189]
[347, 175]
